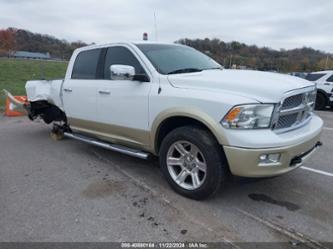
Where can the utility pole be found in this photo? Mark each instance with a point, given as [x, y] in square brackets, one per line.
[326, 65]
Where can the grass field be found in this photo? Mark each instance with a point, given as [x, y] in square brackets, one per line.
[15, 72]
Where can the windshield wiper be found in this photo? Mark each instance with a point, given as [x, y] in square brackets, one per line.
[213, 68]
[185, 70]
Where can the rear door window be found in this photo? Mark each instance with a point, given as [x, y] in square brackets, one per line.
[330, 79]
[315, 76]
[85, 66]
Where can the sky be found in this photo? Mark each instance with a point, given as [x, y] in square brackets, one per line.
[272, 23]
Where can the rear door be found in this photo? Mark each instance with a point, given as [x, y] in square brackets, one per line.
[122, 105]
[79, 91]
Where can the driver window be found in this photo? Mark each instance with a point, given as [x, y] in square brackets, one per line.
[122, 56]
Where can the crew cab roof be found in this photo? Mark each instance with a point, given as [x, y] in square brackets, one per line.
[133, 43]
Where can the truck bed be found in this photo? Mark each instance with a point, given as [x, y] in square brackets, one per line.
[45, 90]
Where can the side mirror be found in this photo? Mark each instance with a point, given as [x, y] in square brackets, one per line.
[122, 72]
[141, 78]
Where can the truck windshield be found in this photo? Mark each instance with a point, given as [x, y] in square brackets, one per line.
[176, 59]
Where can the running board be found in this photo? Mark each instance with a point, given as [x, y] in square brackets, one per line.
[113, 147]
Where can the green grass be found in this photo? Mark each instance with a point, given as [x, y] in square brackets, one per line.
[15, 72]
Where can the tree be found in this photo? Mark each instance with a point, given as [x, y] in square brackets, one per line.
[33, 42]
[266, 59]
[7, 41]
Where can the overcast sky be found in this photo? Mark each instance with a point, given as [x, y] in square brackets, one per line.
[273, 23]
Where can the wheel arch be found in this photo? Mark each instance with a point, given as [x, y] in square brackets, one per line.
[47, 111]
[322, 92]
[174, 118]
[325, 95]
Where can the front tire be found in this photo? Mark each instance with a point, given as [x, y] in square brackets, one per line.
[193, 162]
[321, 101]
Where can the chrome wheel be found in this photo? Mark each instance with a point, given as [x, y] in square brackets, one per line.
[186, 165]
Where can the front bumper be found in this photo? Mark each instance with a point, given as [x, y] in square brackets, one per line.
[245, 161]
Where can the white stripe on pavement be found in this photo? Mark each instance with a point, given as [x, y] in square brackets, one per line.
[317, 171]
[328, 129]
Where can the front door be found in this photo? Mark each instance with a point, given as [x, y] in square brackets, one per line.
[122, 105]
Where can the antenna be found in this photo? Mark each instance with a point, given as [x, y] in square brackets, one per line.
[155, 26]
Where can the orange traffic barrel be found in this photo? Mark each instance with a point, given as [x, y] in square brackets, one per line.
[14, 110]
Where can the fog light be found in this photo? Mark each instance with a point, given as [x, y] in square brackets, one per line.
[269, 158]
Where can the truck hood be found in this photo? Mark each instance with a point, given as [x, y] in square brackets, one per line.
[260, 86]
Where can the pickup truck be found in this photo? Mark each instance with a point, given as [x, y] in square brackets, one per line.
[205, 123]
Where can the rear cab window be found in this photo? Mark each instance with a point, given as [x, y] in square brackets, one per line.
[86, 63]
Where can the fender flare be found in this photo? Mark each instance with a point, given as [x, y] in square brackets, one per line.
[214, 127]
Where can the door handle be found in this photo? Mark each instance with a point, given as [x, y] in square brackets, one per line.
[68, 90]
[104, 92]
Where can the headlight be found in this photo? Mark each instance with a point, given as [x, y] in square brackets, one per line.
[249, 117]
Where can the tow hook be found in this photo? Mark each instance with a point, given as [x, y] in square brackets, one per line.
[299, 159]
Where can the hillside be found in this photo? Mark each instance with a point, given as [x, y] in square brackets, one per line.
[13, 39]
[265, 59]
[227, 53]
[14, 73]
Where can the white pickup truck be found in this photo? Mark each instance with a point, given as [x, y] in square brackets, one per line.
[204, 122]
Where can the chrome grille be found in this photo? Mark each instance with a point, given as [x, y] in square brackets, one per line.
[294, 110]
[292, 101]
[286, 121]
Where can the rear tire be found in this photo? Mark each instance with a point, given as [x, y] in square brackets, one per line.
[321, 101]
[193, 162]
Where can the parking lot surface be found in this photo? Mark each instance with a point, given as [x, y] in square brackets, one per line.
[69, 191]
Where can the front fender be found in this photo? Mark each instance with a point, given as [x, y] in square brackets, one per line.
[198, 115]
